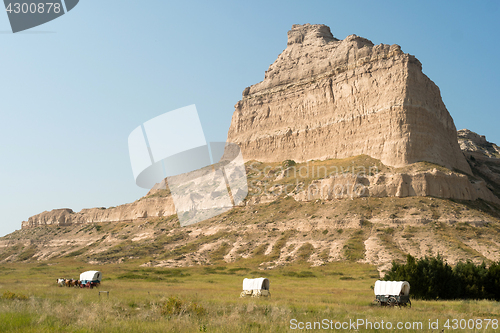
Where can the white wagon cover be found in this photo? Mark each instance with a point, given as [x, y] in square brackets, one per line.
[91, 276]
[392, 288]
[256, 284]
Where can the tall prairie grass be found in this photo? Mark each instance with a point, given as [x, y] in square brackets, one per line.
[206, 299]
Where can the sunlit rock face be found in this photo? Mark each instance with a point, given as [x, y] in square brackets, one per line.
[328, 98]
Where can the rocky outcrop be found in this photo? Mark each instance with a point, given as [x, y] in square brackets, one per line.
[483, 157]
[434, 183]
[477, 145]
[143, 208]
[385, 228]
[328, 98]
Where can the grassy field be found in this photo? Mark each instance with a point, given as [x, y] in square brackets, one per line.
[206, 299]
[283, 234]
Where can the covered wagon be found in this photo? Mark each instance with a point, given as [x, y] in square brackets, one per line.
[392, 293]
[255, 287]
[90, 279]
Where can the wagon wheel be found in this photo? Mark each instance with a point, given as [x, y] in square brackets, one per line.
[392, 301]
[243, 294]
[377, 302]
[407, 304]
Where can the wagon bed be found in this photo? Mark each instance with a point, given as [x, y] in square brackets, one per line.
[392, 293]
[255, 287]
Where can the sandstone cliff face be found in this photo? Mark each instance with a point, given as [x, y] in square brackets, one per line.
[483, 157]
[433, 183]
[328, 98]
[144, 208]
[477, 145]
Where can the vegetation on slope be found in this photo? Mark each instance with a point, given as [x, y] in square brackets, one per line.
[275, 230]
[375, 230]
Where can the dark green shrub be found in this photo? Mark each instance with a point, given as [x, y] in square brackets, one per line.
[288, 163]
[10, 295]
[432, 278]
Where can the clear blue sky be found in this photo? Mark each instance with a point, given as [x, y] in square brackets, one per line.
[73, 89]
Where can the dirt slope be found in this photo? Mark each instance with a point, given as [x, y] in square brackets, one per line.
[278, 224]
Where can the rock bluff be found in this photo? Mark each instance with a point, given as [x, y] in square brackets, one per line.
[140, 209]
[327, 98]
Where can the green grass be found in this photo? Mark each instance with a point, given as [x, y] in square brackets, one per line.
[220, 252]
[305, 173]
[305, 251]
[27, 253]
[206, 300]
[280, 243]
[354, 249]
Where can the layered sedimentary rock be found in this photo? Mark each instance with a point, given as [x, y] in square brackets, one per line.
[143, 208]
[328, 98]
[476, 145]
[434, 183]
[483, 157]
